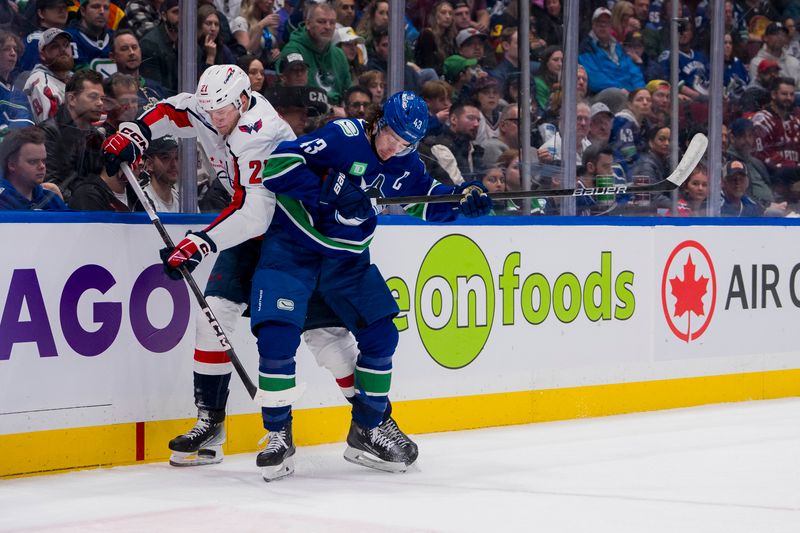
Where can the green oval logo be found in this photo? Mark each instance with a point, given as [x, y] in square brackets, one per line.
[454, 301]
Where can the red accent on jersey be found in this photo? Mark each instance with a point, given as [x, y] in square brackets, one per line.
[214, 358]
[347, 381]
[777, 141]
[238, 197]
[161, 110]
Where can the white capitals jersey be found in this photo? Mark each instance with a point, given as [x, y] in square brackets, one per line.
[238, 159]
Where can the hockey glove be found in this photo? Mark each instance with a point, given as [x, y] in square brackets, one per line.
[475, 202]
[125, 146]
[189, 252]
[347, 198]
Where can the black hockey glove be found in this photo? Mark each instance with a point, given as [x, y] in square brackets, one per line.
[347, 198]
[189, 252]
[475, 202]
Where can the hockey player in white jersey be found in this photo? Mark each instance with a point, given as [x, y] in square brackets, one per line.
[238, 129]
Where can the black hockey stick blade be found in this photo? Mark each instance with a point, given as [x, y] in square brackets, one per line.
[694, 153]
[252, 390]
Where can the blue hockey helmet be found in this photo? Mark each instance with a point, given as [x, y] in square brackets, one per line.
[407, 115]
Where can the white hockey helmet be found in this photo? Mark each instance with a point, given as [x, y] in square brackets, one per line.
[221, 85]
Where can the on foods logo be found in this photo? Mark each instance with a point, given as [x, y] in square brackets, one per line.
[689, 290]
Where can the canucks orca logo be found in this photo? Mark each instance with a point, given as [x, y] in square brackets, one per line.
[251, 128]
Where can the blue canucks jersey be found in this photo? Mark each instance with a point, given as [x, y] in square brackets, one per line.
[295, 170]
[85, 49]
[692, 69]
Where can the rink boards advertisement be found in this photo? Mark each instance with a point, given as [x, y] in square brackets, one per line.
[514, 321]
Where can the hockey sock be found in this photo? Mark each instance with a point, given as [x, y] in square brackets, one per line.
[211, 392]
[373, 375]
[277, 345]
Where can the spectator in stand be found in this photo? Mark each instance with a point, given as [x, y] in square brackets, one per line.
[375, 82]
[471, 43]
[550, 151]
[453, 157]
[327, 64]
[160, 173]
[23, 159]
[257, 30]
[15, 111]
[605, 62]
[507, 138]
[350, 43]
[103, 193]
[74, 153]
[777, 129]
[293, 71]
[494, 180]
[775, 39]
[736, 78]
[597, 161]
[460, 72]
[438, 95]
[757, 96]
[379, 60]
[581, 83]
[376, 15]
[296, 105]
[641, 11]
[127, 55]
[49, 14]
[549, 22]
[793, 37]
[654, 162]
[741, 149]
[659, 102]
[357, 100]
[121, 101]
[693, 65]
[160, 49]
[600, 124]
[548, 76]
[486, 94]
[735, 202]
[345, 12]
[510, 63]
[623, 20]
[45, 86]
[633, 45]
[210, 48]
[628, 129]
[461, 15]
[693, 193]
[254, 69]
[142, 15]
[437, 41]
[89, 34]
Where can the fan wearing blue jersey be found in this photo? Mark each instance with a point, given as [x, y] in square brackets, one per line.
[319, 239]
[90, 37]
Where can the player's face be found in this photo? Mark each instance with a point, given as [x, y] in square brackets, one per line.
[388, 144]
[127, 53]
[697, 187]
[29, 166]
[224, 119]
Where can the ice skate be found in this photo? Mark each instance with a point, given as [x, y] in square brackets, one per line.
[277, 459]
[384, 448]
[202, 445]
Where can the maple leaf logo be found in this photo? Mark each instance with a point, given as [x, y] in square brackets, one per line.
[689, 292]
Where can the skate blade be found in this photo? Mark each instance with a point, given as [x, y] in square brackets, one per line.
[206, 456]
[360, 457]
[274, 473]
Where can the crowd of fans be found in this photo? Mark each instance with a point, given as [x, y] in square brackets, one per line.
[71, 71]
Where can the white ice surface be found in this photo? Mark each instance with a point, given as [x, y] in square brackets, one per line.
[725, 468]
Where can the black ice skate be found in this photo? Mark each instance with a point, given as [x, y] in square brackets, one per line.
[276, 460]
[202, 445]
[384, 448]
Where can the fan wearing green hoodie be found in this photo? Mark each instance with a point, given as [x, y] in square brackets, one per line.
[327, 65]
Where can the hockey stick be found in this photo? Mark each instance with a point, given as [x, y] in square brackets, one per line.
[694, 153]
[252, 390]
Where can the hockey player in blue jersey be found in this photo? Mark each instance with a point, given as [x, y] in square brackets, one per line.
[319, 239]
